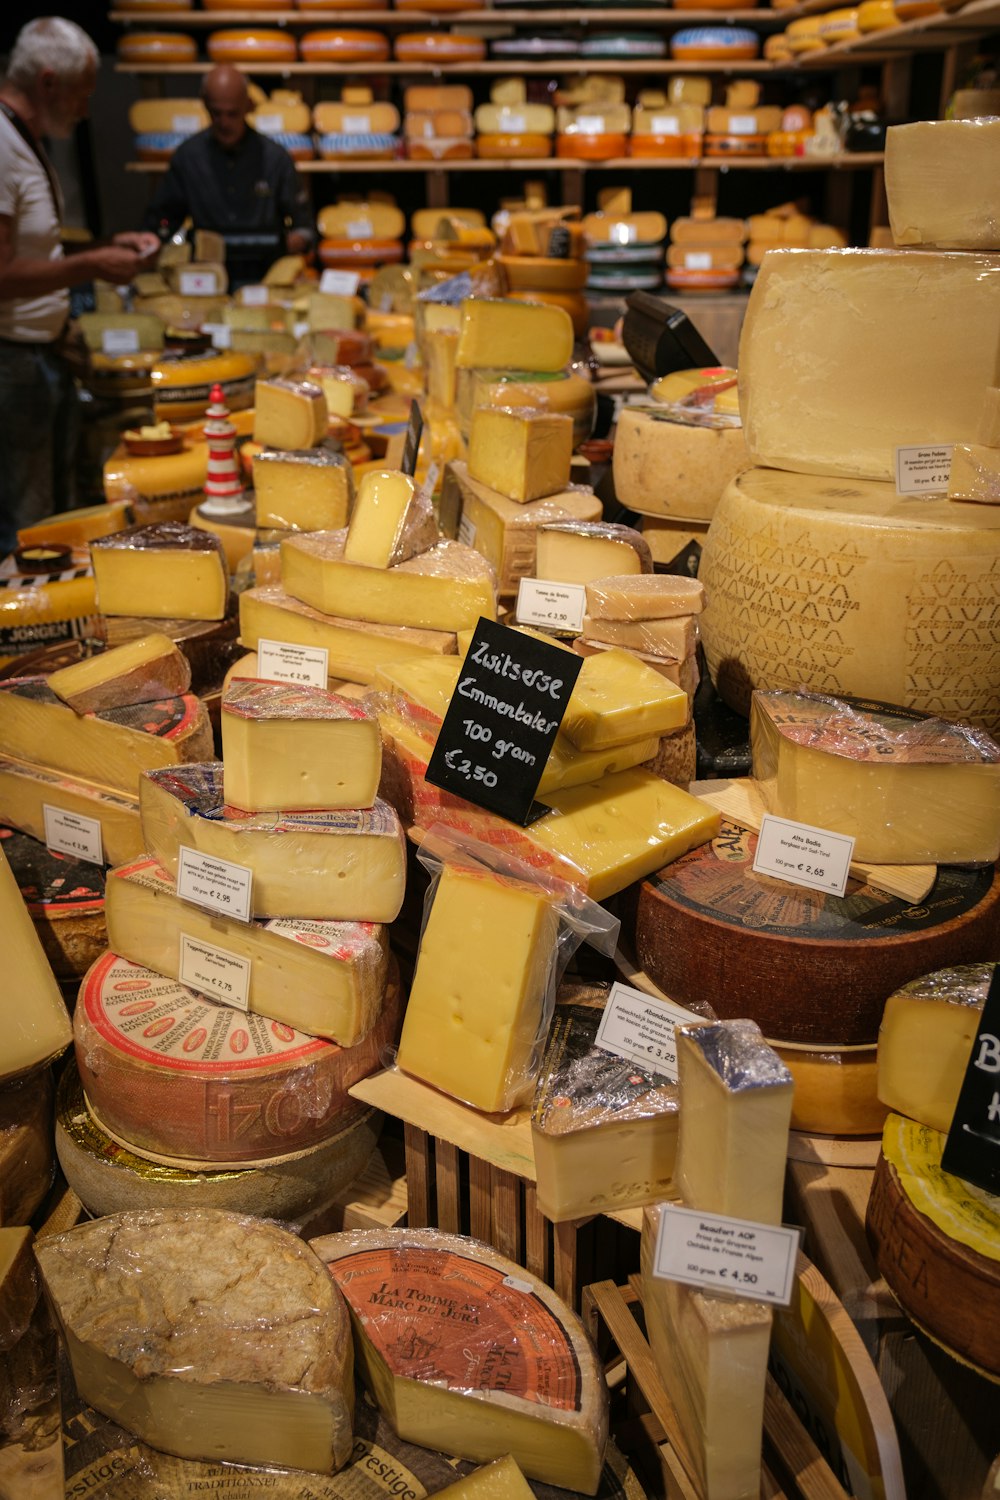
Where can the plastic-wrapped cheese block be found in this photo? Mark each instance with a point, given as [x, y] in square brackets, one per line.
[579, 551]
[925, 1042]
[306, 490]
[603, 1130]
[111, 747]
[514, 336]
[886, 624]
[391, 521]
[907, 788]
[214, 1084]
[645, 596]
[736, 1099]
[522, 453]
[300, 861]
[324, 978]
[289, 747]
[210, 1335]
[618, 699]
[941, 183]
[289, 414]
[895, 396]
[140, 672]
[446, 588]
[523, 1379]
[674, 638]
[167, 570]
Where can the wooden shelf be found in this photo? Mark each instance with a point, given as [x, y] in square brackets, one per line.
[948, 29]
[650, 66]
[849, 161]
[656, 18]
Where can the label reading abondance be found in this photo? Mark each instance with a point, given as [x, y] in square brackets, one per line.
[640, 1029]
[923, 471]
[69, 833]
[215, 971]
[803, 855]
[281, 661]
[714, 1251]
[551, 606]
[216, 884]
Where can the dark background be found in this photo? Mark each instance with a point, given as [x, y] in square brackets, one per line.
[92, 15]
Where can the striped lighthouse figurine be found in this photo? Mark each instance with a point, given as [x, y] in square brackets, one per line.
[226, 509]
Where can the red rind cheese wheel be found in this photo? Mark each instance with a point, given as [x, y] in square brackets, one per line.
[250, 45]
[267, 5]
[601, 146]
[807, 967]
[528, 145]
[157, 47]
[702, 281]
[178, 1075]
[664, 145]
[344, 46]
[439, 47]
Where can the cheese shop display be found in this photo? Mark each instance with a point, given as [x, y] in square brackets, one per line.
[403, 1289]
[268, 1334]
[926, 1039]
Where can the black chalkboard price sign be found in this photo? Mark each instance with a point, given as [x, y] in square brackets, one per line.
[496, 736]
[972, 1149]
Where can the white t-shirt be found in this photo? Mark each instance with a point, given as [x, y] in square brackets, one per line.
[26, 199]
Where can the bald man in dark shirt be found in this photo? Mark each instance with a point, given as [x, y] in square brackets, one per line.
[241, 184]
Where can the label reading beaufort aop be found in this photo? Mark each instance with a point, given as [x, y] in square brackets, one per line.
[551, 606]
[923, 471]
[215, 971]
[281, 661]
[803, 855]
[69, 833]
[216, 884]
[640, 1029]
[507, 706]
[721, 1254]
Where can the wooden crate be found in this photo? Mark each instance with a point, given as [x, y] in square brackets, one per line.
[469, 1173]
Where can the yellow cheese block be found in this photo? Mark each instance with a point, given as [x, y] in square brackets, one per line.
[37, 1027]
[308, 490]
[941, 182]
[925, 1042]
[292, 747]
[645, 597]
[164, 571]
[578, 552]
[356, 648]
[476, 1004]
[289, 414]
[618, 699]
[138, 672]
[446, 588]
[513, 336]
[674, 638]
[535, 391]
[27, 790]
[390, 522]
[75, 528]
[523, 454]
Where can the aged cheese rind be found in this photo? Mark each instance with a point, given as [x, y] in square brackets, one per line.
[139, 672]
[306, 490]
[37, 1026]
[346, 865]
[211, 1335]
[446, 588]
[925, 1042]
[941, 181]
[579, 551]
[26, 790]
[523, 454]
[858, 305]
[664, 467]
[921, 577]
[164, 571]
[289, 747]
[545, 1405]
[180, 1076]
[356, 648]
[835, 1089]
[324, 978]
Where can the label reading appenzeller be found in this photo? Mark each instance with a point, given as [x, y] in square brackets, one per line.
[755, 1261]
[69, 833]
[215, 971]
[216, 884]
[972, 1149]
[282, 661]
[640, 1029]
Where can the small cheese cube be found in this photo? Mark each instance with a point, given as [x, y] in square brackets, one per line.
[618, 699]
[578, 552]
[524, 454]
[390, 521]
[138, 672]
[289, 414]
[513, 336]
[309, 490]
[167, 571]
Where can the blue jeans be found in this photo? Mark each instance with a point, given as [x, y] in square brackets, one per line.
[39, 431]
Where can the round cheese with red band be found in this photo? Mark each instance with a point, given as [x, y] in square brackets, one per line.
[344, 46]
[251, 44]
[439, 47]
[157, 47]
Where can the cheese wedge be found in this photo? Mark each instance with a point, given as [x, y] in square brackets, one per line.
[139, 672]
[339, 866]
[390, 521]
[290, 414]
[574, 552]
[926, 1039]
[26, 791]
[524, 454]
[941, 183]
[36, 1025]
[618, 699]
[477, 1000]
[446, 588]
[501, 1480]
[308, 490]
[290, 748]
[167, 571]
[674, 638]
[513, 336]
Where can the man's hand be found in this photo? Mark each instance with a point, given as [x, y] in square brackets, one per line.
[114, 263]
[145, 244]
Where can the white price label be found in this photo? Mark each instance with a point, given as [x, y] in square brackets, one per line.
[186, 124]
[255, 296]
[518, 1284]
[466, 532]
[640, 1029]
[300, 330]
[269, 124]
[756, 1261]
[120, 340]
[220, 333]
[554, 606]
[216, 884]
[514, 124]
[214, 971]
[360, 229]
[622, 234]
[743, 125]
[698, 260]
[283, 662]
[68, 833]
[198, 284]
[803, 855]
[356, 124]
[923, 471]
[589, 124]
[339, 283]
[665, 125]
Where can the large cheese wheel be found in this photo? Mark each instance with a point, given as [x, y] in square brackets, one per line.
[251, 45]
[358, 221]
[843, 586]
[835, 1089]
[652, 144]
[180, 1077]
[143, 7]
[355, 146]
[344, 46]
[157, 47]
[324, 5]
[806, 966]
[439, 47]
[182, 387]
[265, 5]
[937, 1243]
[526, 146]
[360, 252]
[686, 280]
[599, 146]
[714, 44]
[665, 467]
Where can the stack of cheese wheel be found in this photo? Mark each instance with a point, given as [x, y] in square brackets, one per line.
[741, 126]
[624, 249]
[511, 127]
[360, 236]
[151, 48]
[661, 128]
[593, 132]
[288, 121]
[249, 45]
[438, 122]
[161, 125]
[357, 129]
[705, 254]
[337, 46]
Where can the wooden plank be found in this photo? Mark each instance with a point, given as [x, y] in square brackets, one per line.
[417, 1143]
[564, 1277]
[506, 1214]
[447, 1178]
[537, 1238]
[502, 1140]
[480, 1200]
[790, 1450]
